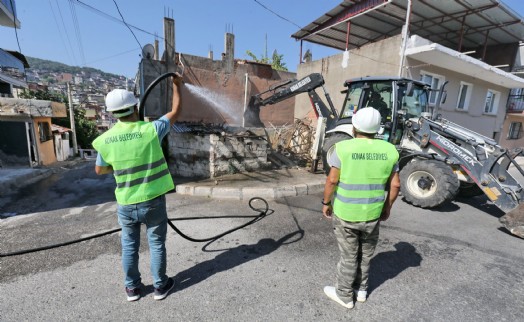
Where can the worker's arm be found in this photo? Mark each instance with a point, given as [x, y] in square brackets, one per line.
[394, 188]
[329, 189]
[101, 166]
[175, 104]
[103, 169]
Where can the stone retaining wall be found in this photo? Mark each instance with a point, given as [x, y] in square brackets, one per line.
[214, 155]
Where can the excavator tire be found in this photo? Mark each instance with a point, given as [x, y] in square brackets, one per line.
[469, 190]
[328, 148]
[428, 183]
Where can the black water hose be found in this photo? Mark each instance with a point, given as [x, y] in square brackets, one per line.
[255, 219]
[141, 105]
[262, 213]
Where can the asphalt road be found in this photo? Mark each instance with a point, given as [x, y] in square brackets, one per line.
[450, 264]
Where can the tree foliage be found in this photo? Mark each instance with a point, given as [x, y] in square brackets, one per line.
[276, 60]
[85, 129]
[42, 95]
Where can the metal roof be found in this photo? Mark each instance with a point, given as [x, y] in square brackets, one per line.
[480, 22]
[60, 129]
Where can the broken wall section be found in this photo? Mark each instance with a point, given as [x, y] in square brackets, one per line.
[214, 155]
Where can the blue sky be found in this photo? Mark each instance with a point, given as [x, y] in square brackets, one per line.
[49, 32]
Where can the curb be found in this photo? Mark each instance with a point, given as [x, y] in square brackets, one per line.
[246, 193]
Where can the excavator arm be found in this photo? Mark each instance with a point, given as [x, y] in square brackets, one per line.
[489, 171]
[287, 90]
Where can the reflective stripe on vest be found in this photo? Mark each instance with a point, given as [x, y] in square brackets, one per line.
[140, 170]
[366, 165]
[131, 183]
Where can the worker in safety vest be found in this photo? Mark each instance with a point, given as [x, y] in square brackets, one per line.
[362, 170]
[131, 151]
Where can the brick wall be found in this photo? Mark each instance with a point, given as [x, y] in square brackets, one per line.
[227, 89]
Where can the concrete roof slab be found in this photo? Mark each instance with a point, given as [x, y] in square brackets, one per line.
[438, 55]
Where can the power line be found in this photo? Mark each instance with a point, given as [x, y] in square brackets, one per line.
[276, 14]
[115, 55]
[14, 24]
[67, 34]
[123, 20]
[77, 31]
[142, 49]
[99, 12]
[60, 31]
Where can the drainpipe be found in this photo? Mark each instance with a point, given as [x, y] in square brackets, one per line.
[245, 101]
[405, 34]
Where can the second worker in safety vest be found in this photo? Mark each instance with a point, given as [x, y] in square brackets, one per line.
[361, 187]
[131, 150]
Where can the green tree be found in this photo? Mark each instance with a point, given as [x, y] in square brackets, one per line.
[42, 95]
[276, 61]
[86, 130]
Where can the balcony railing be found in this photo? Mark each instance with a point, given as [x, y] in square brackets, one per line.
[515, 104]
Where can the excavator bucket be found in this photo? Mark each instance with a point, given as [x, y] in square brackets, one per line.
[514, 221]
[252, 113]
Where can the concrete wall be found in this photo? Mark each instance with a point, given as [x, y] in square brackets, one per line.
[382, 58]
[511, 143]
[376, 59]
[474, 118]
[213, 155]
[46, 150]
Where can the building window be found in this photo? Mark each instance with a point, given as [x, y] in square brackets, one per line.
[515, 128]
[464, 96]
[435, 81]
[492, 101]
[44, 131]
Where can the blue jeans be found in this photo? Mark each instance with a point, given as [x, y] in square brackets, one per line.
[153, 214]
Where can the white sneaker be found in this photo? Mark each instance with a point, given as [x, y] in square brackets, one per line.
[362, 295]
[332, 294]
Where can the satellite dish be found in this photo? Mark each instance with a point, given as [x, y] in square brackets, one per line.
[148, 51]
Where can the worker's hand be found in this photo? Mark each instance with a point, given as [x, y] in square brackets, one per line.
[385, 213]
[178, 80]
[327, 211]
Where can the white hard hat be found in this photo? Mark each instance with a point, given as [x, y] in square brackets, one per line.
[120, 102]
[367, 120]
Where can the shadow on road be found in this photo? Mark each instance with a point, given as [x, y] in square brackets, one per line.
[387, 265]
[67, 188]
[483, 204]
[231, 258]
[479, 202]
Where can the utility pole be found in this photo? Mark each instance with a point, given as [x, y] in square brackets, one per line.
[265, 50]
[405, 35]
[72, 118]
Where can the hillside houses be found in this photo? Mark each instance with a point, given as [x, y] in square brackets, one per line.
[28, 135]
[88, 90]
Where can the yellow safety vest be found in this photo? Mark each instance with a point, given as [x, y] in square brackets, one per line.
[366, 166]
[140, 170]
